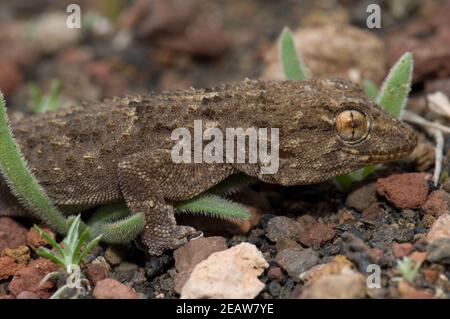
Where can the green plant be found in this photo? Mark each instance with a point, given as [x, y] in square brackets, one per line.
[291, 62]
[408, 269]
[21, 181]
[69, 255]
[213, 205]
[115, 224]
[392, 96]
[75, 246]
[45, 102]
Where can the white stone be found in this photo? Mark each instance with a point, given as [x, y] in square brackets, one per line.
[232, 273]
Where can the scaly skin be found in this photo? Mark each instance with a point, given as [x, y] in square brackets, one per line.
[120, 149]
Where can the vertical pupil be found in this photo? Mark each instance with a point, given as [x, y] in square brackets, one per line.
[353, 124]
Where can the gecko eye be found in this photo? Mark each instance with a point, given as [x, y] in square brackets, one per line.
[352, 125]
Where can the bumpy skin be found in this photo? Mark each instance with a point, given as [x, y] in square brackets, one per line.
[120, 149]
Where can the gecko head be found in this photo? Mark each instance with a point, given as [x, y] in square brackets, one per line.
[333, 129]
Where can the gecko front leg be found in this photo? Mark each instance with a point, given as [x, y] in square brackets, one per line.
[148, 178]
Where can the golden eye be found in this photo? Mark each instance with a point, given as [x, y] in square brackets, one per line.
[352, 125]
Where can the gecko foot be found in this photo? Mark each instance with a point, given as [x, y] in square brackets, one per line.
[157, 242]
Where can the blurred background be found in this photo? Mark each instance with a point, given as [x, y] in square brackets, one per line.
[127, 47]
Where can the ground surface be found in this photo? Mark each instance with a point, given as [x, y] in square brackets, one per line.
[318, 241]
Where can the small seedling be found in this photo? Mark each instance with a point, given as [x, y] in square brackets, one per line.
[45, 102]
[69, 255]
[75, 246]
[408, 268]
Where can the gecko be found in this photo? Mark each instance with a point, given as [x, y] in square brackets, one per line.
[120, 149]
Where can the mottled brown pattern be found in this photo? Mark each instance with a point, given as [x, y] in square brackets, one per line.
[120, 149]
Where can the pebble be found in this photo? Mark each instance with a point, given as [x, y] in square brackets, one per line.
[12, 234]
[231, 273]
[373, 212]
[191, 254]
[20, 254]
[317, 235]
[275, 273]
[283, 227]
[439, 229]
[95, 273]
[10, 77]
[29, 278]
[113, 255]
[321, 47]
[402, 249]
[356, 250]
[35, 240]
[408, 190]
[8, 267]
[341, 286]
[362, 197]
[437, 204]
[112, 289]
[296, 261]
[156, 266]
[418, 256]
[439, 251]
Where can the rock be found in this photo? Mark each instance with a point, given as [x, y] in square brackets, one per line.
[283, 227]
[113, 255]
[178, 25]
[373, 212]
[296, 261]
[362, 197]
[274, 288]
[10, 77]
[341, 286]
[155, 266]
[125, 271]
[28, 295]
[401, 250]
[334, 51]
[438, 85]
[29, 279]
[438, 203]
[446, 185]
[431, 55]
[50, 33]
[12, 234]
[275, 273]
[418, 256]
[20, 254]
[8, 267]
[112, 289]
[191, 254]
[439, 251]
[35, 240]
[440, 228]
[317, 235]
[232, 273]
[385, 234]
[356, 250]
[95, 273]
[339, 265]
[408, 190]
[376, 254]
[407, 291]
[284, 243]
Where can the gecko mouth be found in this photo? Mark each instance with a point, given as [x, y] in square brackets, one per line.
[380, 158]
